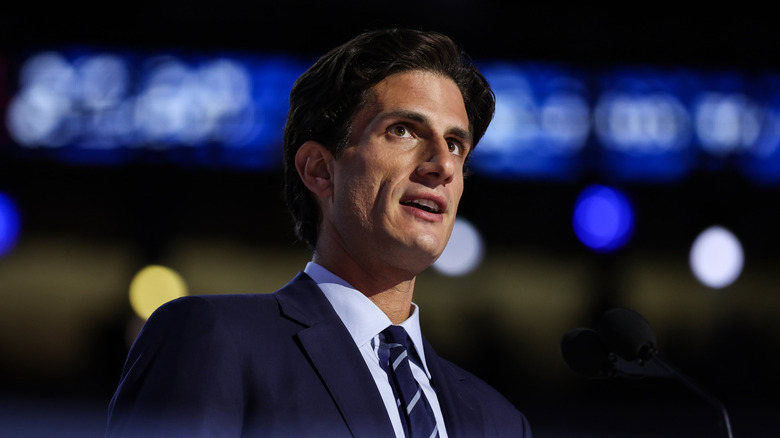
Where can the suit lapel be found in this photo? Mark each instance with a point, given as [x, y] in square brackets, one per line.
[459, 413]
[332, 352]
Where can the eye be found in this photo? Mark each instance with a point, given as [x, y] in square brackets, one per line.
[455, 148]
[400, 131]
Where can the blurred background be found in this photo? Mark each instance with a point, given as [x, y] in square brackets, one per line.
[633, 162]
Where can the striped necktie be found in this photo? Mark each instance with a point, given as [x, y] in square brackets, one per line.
[395, 351]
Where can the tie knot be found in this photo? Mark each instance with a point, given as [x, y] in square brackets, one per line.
[395, 334]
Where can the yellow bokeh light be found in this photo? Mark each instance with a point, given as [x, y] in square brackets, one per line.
[154, 286]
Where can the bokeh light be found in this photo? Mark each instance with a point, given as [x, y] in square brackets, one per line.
[603, 218]
[541, 124]
[464, 251]
[154, 286]
[716, 257]
[94, 107]
[9, 224]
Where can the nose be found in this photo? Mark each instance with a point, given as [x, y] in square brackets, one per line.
[439, 164]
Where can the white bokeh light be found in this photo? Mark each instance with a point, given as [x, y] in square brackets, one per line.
[641, 123]
[464, 251]
[716, 257]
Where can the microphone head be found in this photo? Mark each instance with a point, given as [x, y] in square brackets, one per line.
[628, 334]
[585, 353]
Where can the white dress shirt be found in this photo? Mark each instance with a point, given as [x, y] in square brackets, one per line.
[364, 321]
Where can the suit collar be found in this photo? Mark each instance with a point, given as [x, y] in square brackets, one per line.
[330, 349]
[362, 317]
[302, 301]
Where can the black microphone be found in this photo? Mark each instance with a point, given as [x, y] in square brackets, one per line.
[584, 351]
[628, 334]
[625, 346]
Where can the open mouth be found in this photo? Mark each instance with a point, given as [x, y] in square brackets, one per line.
[422, 204]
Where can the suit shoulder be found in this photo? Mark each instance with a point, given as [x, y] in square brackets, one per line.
[232, 313]
[204, 304]
[198, 314]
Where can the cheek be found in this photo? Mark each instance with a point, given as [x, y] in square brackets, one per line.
[362, 195]
[383, 178]
[457, 192]
[374, 181]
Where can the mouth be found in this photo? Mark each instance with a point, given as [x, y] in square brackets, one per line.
[423, 204]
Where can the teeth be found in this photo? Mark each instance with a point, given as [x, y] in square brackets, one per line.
[427, 204]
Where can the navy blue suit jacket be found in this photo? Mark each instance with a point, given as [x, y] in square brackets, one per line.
[276, 365]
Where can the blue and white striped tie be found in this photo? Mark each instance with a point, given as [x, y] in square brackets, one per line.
[395, 350]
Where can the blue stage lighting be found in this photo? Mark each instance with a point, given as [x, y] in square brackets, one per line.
[89, 107]
[9, 224]
[642, 124]
[603, 218]
[541, 123]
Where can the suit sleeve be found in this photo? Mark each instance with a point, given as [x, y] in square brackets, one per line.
[182, 377]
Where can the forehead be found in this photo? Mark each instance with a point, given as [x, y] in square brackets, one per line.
[432, 95]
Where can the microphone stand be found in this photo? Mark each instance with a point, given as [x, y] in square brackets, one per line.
[632, 355]
[628, 334]
[654, 366]
[723, 414]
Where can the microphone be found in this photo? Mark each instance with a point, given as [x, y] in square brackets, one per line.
[628, 334]
[625, 346]
[584, 351]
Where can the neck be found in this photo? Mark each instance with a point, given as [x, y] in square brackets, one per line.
[395, 302]
[390, 290]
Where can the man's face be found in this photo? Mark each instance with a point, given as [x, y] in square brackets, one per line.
[396, 187]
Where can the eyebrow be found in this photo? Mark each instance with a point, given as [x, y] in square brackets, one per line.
[464, 134]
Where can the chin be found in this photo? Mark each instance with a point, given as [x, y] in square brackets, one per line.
[417, 252]
[426, 256]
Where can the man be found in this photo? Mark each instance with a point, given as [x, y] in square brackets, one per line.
[377, 136]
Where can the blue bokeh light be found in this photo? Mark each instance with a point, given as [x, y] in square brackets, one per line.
[9, 224]
[603, 218]
[553, 121]
[84, 106]
[541, 124]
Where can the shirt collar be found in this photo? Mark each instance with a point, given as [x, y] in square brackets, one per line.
[363, 319]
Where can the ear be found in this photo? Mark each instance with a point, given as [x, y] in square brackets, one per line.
[313, 161]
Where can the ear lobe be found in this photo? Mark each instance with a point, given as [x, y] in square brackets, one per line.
[312, 161]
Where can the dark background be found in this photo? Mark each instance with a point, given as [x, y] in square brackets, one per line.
[656, 33]
[739, 364]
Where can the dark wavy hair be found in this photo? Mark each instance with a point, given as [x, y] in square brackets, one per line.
[326, 98]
